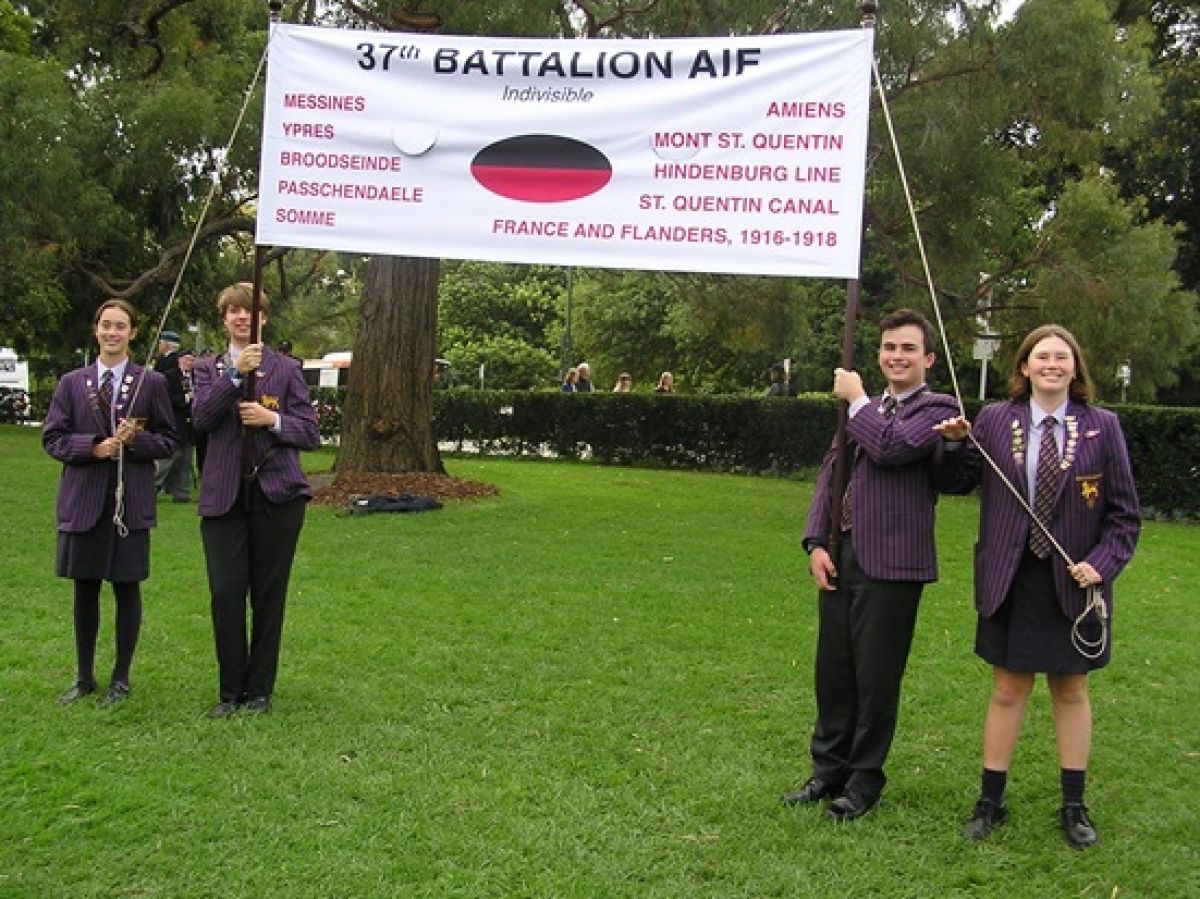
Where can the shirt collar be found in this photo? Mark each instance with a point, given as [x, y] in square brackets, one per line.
[118, 370]
[906, 396]
[1036, 414]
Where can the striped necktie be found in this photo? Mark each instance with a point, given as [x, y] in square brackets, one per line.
[1045, 483]
[106, 394]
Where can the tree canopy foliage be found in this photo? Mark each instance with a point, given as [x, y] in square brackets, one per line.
[1050, 157]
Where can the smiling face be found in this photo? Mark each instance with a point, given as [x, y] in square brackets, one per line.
[1050, 368]
[114, 329]
[903, 358]
[237, 323]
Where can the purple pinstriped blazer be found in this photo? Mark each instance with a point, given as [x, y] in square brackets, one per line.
[280, 387]
[892, 500]
[74, 424]
[1096, 514]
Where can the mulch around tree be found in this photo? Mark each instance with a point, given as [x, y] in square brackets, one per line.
[336, 489]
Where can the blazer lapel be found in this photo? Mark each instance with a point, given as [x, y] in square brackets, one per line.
[267, 368]
[124, 394]
[91, 386]
[1021, 416]
[1076, 425]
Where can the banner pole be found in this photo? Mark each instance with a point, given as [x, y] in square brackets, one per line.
[249, 385]
[853, 297]
[274, 10]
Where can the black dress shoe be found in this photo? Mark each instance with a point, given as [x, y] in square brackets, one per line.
[851, 805]
[117, 692]
[1077, 826]
[814, 790]
[986, 818]
[259, 705]
[223, 709]
[78, 690]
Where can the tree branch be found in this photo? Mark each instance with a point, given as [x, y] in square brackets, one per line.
[777, 22]
[143, 30]
[915, 80]
[397, 20]
[966, 304]
[595, 24]
[167, 269]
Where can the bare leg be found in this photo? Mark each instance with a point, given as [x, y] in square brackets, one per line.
[1072, 719]
[1006, 712]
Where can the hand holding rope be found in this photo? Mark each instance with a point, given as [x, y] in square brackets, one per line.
[126, 431]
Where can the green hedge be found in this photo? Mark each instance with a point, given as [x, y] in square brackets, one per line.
[714, 433]
[748, 434]
[1164, 446]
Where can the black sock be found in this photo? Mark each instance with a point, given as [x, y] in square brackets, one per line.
[87, 626]
[129, 625]
[992, 786]
[1073, 783]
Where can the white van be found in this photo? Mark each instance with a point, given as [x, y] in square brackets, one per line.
[14, 371]
[332, 369]
[328, 371]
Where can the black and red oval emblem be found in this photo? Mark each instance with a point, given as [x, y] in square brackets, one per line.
[541, 168]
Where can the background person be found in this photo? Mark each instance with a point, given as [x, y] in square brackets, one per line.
[174, 475]
[666, 383]
[778, 385]
[570, 381]
[624, 383]
[250, 525]
[285, 349]
[95, 412]
[870, 587]
[1070, 461]
[583, 381]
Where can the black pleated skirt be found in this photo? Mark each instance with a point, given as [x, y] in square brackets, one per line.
[101, 554]
[1030, 633]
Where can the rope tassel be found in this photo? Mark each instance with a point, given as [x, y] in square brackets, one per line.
[119, 505]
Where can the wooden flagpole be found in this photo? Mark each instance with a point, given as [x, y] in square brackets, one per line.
[275, 9]
[853, 295]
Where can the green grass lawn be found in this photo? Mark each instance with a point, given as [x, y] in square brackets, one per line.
[597, 684]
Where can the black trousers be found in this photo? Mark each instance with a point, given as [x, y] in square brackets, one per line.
[865, 633]
[248, 552]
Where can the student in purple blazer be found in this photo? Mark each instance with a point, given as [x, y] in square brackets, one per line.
[870, 584]
[1038, 613]
[251, 519]
[108, 422]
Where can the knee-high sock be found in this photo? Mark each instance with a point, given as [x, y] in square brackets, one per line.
[992, 786]
[1074, 782]
[87, 626]
[129, 626]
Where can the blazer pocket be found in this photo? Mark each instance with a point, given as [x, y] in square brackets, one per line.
[1089, 489]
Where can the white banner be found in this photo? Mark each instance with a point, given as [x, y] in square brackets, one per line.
[742, 155]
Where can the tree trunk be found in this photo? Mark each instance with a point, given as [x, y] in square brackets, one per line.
[387, 422]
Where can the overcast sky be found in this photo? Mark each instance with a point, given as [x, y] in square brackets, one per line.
[1008, 8]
